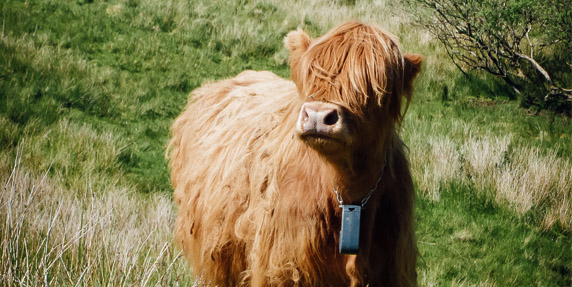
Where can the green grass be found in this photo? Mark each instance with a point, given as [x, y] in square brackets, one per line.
[90, 88]
[125, 68]
[466, 240]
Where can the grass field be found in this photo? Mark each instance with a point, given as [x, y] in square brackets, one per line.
[88, 90]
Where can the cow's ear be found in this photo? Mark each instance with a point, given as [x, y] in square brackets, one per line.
[297, 42]
[412, 67]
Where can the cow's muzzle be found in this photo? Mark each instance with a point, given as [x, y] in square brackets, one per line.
[322, 122]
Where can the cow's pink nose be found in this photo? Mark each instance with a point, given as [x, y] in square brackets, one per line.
[319, 118]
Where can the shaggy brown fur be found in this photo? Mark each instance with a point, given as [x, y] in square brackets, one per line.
[256, 201]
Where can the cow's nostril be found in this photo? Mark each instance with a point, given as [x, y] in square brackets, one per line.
[331, 118]
[305, 115]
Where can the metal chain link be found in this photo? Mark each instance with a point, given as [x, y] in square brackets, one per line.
[339, 197]
[368, 195]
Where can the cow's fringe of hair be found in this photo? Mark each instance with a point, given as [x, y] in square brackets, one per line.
[351, 65]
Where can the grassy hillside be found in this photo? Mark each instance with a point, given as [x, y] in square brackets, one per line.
[88, 90]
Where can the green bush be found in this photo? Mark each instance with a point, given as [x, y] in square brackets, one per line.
[528, 44]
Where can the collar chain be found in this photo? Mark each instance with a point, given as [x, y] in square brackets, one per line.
[368, 195]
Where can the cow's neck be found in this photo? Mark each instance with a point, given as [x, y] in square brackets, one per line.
[355, 178]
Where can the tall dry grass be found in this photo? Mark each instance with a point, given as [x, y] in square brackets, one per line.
[503, 169]
[52, 236]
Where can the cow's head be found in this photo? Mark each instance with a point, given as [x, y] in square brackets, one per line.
[353, 81]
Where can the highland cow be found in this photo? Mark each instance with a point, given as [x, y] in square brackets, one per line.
[262, 165]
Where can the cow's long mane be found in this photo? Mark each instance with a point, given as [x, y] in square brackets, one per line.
[241, 198]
